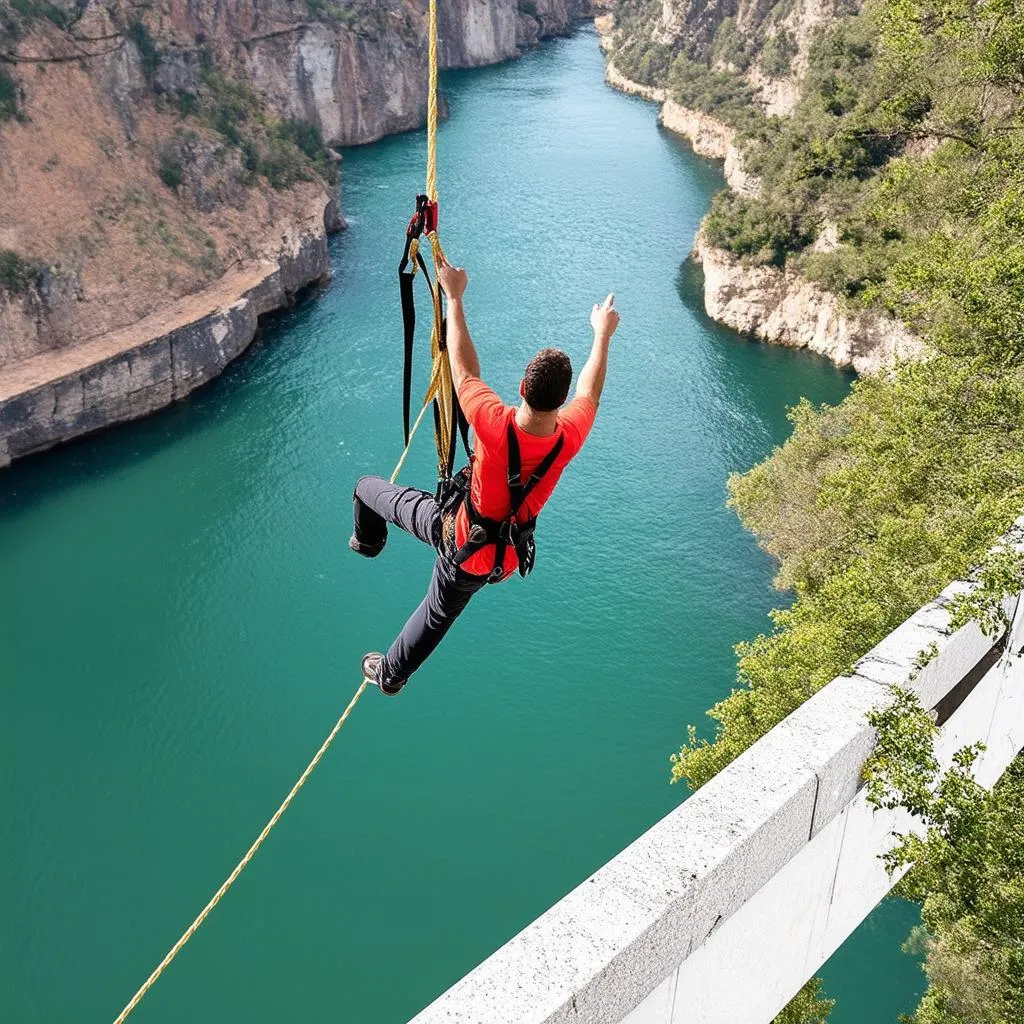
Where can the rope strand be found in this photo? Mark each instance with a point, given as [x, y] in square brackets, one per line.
[431, 187]
[275, 818]
[441, 388]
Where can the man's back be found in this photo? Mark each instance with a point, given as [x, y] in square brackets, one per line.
[490, 419]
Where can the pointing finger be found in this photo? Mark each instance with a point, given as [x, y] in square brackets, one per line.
[610, 301]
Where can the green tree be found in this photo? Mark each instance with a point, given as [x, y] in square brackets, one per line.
[967, 870]
[808, 1006]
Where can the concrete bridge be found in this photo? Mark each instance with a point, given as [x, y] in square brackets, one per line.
[772, 864]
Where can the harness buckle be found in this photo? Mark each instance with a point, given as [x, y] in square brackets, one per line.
[424, 220]
[431, 216]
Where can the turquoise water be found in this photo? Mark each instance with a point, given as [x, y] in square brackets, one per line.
[182, 623]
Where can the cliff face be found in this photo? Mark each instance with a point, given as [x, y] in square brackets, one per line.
[112, 179]
[766, 40]
[776, 306]
[709, 136]
[130, 373]
[358, 72]
[783, 308]
[150, 155]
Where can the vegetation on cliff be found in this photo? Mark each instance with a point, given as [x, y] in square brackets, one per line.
[907, 143]
[17, 274]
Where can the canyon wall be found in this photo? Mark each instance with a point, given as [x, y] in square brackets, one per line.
[774, 305]
[783, 308]
[152, 158]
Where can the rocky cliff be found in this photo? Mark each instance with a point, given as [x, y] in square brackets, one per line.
[777, 306]
[150, 154]
[124, 374]
[359, 70]
[764, 40]
[709, 136]
[782, 308]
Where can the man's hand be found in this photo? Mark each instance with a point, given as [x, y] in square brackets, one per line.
[461, 351]
[604, 318]
[452, 279]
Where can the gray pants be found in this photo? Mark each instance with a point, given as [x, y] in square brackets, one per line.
[377, 503]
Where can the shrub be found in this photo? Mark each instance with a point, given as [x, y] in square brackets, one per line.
[171, 172]
[764, 231]
[17, 274]
[724, 94]
[777, 54]
[8, 96]
[149, 52]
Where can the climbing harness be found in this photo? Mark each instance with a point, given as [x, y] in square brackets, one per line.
[448, 423]
[507, 532]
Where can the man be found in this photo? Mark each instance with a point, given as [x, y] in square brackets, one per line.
[490, 534]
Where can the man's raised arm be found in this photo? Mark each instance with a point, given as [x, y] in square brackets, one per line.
[604, 319]
[461, 351]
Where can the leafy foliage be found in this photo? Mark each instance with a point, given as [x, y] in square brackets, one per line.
[688, 78]
[18, 274]
[8, 96]
[1000, 576]
[171, 172]
[968, 870]
[284, 152]
[871, 508]
[149, 53]
[33, 10]
[364, 17]
[815, 165]
[808, 1006]
[777, 54]
[766, 230]
[694, 85]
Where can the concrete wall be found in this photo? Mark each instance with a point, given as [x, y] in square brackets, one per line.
[772, 864]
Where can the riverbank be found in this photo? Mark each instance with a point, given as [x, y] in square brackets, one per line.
[56, 396]
[773, 305]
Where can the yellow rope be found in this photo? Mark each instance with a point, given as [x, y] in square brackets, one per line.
[441, 388]
[293, 792]
[432, 105]
[441, 375]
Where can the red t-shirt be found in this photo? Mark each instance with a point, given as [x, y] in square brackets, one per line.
[489, 418]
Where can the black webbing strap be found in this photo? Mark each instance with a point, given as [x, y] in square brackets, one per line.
[518, 492]
[405, 282]
[406, 279]
[409, 328]
[460, 418]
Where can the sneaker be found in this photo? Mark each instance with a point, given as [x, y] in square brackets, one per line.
[372, 664]
[366, 550]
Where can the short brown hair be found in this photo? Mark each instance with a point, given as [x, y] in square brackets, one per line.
[547, 380]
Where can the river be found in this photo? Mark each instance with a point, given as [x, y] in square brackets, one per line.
[182, 622]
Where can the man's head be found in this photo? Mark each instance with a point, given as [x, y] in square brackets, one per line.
[545, 386]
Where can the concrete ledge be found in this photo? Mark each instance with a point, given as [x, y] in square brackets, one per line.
[782, 830]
